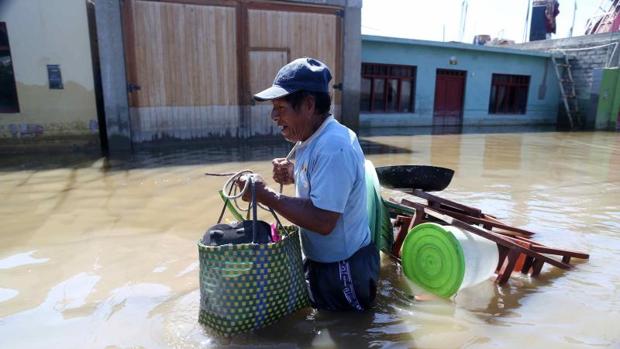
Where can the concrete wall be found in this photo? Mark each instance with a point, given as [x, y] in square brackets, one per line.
[588, 56]
[43, 32]
[480, 64]
[352, 64]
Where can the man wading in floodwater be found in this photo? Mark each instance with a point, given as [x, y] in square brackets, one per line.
[341, 265]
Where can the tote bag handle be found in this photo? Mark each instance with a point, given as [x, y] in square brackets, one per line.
[253, 205]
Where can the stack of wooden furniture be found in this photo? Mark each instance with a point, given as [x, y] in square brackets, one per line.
[517, 251]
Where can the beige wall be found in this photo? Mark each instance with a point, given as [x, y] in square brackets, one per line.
[45, 32]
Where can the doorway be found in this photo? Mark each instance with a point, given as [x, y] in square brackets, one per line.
[449, 97]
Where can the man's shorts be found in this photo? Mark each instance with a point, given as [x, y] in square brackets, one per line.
[350, 284]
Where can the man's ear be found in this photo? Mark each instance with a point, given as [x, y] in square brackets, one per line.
[309, 104]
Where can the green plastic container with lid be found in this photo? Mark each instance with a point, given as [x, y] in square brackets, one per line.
[444, 259]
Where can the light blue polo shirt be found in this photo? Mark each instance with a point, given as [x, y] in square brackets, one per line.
[329, 169]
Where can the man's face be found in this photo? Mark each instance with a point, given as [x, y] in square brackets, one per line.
[293, 124]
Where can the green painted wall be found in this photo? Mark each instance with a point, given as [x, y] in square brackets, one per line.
[615, 108]
[609, 99]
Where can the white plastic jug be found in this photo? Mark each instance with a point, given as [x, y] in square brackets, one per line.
[445, 259]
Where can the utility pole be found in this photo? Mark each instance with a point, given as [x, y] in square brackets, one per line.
[463, 20]
[528, 13]
[570, 33]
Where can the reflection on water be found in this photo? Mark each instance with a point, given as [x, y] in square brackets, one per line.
[97, 253]
[20, 259]
[453, 129]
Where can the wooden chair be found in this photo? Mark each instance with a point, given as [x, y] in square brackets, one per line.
[516, 250]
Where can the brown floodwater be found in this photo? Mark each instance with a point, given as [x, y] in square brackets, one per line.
[102, 254]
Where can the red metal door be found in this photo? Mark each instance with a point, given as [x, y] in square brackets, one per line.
[449, 96]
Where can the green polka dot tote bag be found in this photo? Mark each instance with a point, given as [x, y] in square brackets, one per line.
[248, 286]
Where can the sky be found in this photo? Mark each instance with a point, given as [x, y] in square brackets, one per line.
[430, 19]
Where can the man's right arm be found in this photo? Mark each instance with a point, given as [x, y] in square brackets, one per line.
[301, 212]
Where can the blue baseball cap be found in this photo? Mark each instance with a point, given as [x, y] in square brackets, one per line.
[307, 74]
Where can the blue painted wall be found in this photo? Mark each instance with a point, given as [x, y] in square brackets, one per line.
[481, 63]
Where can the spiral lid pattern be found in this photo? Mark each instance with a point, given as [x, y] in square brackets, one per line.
[433, 258]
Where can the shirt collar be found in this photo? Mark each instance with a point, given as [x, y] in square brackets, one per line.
[316, 133]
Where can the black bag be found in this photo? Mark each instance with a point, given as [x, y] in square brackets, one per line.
[243, 232]
[237, 233]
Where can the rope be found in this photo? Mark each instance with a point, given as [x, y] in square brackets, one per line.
[236, 175]
[223, 174]
[288, 157]
[229, 185]
[584, 48]
[229, 190]
[610, 57]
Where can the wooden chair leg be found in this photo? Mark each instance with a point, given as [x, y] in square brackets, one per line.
[537, 267]
[527, 265]
[503, 252]
[509, 267]
[403, 223]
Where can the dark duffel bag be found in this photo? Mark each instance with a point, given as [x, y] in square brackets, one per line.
[244, 232]
[237, 233]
